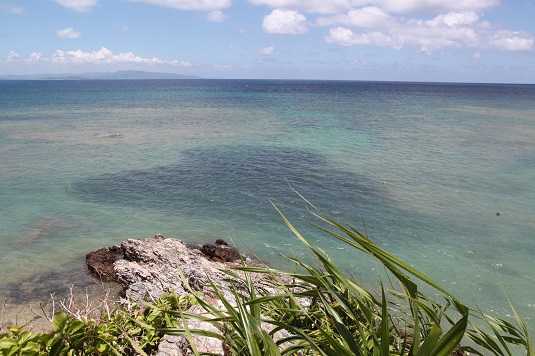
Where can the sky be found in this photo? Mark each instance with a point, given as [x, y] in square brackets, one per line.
[388, 40]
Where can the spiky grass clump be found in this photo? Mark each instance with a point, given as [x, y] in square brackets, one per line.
[319, 310]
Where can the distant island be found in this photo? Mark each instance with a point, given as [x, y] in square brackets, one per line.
[119, 75]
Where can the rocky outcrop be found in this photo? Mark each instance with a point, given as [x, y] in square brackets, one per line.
[147, 268]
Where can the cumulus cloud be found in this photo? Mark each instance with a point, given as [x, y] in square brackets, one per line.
[34, 57]
[456, 23]
[509, 41]
[345, 37]
[105, 56]
[396, 6]
[434, 6]
[454, 29]
[453, 19]
[68, 32]
[13, 57]
[369, 17]
[10, 9]
[78, 5]
[267, 50]
[285, 22]
[215, 16]
[201, 5]
[312, 6]
[100, 57]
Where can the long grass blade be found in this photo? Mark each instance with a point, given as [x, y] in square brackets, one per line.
[450, 341]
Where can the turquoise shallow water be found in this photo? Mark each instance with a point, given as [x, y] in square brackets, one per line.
[425, 167]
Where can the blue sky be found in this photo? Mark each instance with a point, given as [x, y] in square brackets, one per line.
[413, 40]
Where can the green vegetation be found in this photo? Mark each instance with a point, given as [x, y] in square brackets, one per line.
[126, 330]
[313, 310]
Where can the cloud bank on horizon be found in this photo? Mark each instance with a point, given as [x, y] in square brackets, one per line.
[432, 40]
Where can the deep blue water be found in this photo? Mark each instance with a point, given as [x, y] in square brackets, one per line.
[423, 168]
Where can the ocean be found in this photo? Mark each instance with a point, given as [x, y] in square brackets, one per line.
[440, 175]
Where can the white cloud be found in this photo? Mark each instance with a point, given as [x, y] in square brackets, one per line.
[11, 9]
[101, 57]
[223, 67]
[35, 57]
[105, 56]
[201, 5]
[342, 36]
[434, 6]
[78, 5]
[507, 40]
[285, 22]
[312, 6]
[13, 57]
[369, 17]
[267, 50]
[454, 29]
[363, 63]
[397, 6]
[457, 23]
[453, 19]
[425, 51]
[346, 37]
[215, 16]
[476, 55]
[68, 32]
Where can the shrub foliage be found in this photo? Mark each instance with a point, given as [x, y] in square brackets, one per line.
[130, 329]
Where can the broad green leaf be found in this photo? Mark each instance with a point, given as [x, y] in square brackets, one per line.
[59, 321]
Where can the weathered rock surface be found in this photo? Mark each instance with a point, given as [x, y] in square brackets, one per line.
[157, 265]
[150, 267]
[101, 262]
[221, 252]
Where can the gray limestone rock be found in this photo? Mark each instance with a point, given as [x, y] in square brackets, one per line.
[157, 265]
[147, 268]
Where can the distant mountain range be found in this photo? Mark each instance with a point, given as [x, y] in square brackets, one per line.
[119, 75]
